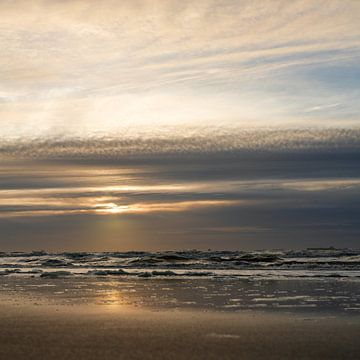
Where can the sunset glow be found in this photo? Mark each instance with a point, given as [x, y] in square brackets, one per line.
[137, 123]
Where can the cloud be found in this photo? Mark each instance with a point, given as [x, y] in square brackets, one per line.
[231, 120]
[195, 141]
[53, 189]
[88, 66]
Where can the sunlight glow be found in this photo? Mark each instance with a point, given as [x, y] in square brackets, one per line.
[112, 208]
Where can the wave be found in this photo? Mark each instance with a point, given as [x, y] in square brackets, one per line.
[169, 263]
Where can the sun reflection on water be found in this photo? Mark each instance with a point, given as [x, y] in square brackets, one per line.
[112, 298]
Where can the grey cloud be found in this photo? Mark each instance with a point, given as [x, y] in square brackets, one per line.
[202, 141]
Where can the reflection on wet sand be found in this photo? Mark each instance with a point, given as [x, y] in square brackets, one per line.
[314, 296]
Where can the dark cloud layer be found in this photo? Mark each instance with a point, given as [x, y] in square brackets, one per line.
[215, 141]
[220, 199]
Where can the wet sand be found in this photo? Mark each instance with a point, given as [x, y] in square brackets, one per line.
[40, 332]
[50, 319]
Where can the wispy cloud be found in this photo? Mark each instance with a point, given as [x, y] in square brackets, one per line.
[53, 190]
[86, 67]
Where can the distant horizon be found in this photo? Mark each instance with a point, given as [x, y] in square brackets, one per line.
[74, 251]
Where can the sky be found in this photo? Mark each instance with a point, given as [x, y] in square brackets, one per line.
[156, 125]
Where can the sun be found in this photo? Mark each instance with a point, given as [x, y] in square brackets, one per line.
[111, 208]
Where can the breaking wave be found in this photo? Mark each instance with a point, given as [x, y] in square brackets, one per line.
[317, 262]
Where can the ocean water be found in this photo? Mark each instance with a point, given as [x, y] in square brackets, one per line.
[265, 264]
[311, 280]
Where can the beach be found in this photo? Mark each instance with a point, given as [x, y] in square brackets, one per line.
[112, 318]
[73, 333]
